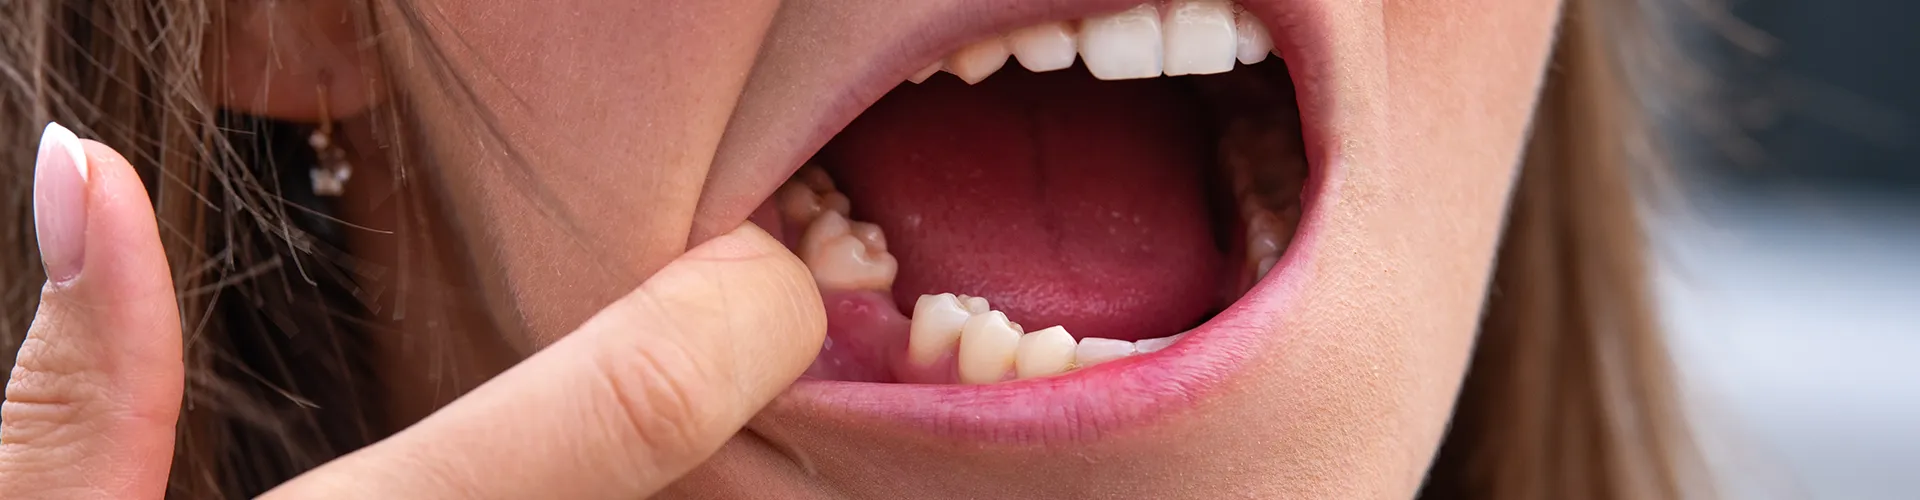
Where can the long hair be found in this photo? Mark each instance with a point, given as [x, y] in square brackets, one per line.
[1569, 395]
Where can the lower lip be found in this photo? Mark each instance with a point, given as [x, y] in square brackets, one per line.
[1087, 404]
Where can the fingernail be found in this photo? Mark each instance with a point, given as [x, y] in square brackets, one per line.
[60, 203]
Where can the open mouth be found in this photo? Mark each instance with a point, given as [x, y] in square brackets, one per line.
[1062, 219]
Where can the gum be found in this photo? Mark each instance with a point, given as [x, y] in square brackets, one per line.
[867, 342]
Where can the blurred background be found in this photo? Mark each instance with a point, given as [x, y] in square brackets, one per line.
[1790, 255]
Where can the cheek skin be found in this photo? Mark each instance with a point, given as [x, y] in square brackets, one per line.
[612, 108]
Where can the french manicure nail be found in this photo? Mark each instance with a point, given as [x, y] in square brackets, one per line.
[60, 203]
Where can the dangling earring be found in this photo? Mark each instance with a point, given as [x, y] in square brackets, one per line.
[330, 170]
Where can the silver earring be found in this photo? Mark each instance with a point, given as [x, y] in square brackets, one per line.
[331, 169]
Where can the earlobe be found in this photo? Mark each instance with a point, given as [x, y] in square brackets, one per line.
[273, 59]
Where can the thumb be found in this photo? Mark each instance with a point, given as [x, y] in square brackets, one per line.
[95, 389]
[639, 395]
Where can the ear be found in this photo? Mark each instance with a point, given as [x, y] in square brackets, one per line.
[277, 57]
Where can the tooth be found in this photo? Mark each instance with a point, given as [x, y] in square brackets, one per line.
[1123, 45]
[840, 260]
[836, 202]
[1264, 235]
[1253, 42]
[935, 328]
[1153, 345]
[815, 177]
[1045, 352]
[798, 202]
[987, 345]
[1095, 350]
[1045, 47]
[1266, 265]
[979, 60]
[1199, 37]
[871, 235]
[926, 73]
[978, 305]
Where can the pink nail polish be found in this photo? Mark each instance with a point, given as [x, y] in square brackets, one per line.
[60, 203]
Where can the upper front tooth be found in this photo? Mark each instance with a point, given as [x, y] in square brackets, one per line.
[1095, 350]
[1200, 37]
[935, 328]
[1046, 47]
[1123, 45]
[1254, 43]
[1045, 352]
[975, 62]
[842, 261]
[987, 345]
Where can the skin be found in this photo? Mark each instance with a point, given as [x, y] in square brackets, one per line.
[624, 165]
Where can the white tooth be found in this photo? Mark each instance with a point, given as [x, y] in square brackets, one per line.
[871, 235]
[840, 260]
[1123, 45]
[1199, 37]
[979, 60]
[798, 202]
[1254, 43]
[1045, 47]
[978, 305]
[987, 345]
[935, 328]
[1266, 265]
[1095, 350]
[1153, 345]
[1045, 352]
[926, 73]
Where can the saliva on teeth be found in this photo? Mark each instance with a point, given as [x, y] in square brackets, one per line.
[1181, 37]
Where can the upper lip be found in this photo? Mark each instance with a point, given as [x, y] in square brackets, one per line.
[764, 144]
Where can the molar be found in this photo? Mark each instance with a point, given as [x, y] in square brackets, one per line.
[1043, 353]
[1123, 45]
[1199, 37]
[1046, 47]
[987, 346]
[841, 257]
[927, 72]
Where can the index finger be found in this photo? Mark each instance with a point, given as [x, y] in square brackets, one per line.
[635, 398]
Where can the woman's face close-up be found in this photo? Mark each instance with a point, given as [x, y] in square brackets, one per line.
[1067, 248]
[1268, 268]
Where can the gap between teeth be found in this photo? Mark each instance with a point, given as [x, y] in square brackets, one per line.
[1181, 37]
[986, 347]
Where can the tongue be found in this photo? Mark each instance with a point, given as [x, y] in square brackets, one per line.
[1060, 199]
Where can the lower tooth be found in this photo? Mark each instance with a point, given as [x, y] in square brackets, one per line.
[1156, 344]
[1094, 350]
[1045, 352]
[841, 261]
[935, 327]
[798, 202]
[987, 346]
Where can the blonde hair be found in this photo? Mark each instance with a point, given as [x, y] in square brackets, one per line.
[1570, 394]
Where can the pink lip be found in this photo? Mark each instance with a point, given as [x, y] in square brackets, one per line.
[1087, 404]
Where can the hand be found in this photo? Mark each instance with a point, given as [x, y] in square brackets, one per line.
[636, 397]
